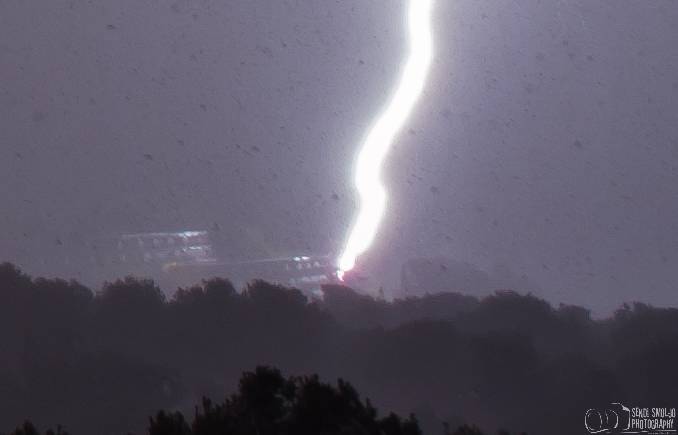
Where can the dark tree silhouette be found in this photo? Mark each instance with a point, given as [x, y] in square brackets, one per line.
[172, 423]
[101, 362]
[268, 404]
[28, 429]
[467, 430]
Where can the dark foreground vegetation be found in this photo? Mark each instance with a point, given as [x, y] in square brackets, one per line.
[101, 363]
[268, 404]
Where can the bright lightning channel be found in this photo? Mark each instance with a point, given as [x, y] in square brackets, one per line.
[380, 137]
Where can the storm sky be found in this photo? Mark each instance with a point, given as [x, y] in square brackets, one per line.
[546, 139]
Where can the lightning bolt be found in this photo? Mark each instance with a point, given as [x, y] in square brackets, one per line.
[368, 182]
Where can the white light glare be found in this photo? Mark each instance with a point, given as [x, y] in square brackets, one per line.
[368, 165]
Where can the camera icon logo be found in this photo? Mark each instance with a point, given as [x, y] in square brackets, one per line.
[614, 419]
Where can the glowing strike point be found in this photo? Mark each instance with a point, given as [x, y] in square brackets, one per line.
[368, 165]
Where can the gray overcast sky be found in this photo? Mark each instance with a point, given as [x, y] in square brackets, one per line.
[547, 138]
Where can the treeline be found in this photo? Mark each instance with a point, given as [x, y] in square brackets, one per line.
[102, 362]
[266, 403]
[269, 404]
